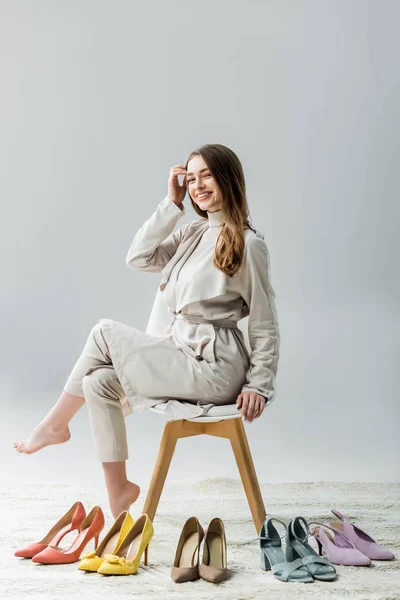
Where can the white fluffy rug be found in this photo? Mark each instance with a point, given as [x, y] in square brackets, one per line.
[29, 510]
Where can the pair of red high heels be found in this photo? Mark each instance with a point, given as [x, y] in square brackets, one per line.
[47, 550]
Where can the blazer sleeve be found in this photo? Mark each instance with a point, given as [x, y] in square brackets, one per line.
[263, 328]
[154, 243]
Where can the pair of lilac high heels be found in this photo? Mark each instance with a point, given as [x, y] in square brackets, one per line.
[349, 544]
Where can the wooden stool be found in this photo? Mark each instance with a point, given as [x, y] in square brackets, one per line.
[221, 421]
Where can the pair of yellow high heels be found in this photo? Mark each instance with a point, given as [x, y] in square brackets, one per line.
[121, 549]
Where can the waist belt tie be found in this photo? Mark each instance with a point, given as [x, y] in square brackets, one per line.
[199, 319]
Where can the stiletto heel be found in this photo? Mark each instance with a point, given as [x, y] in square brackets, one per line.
[146, 555]
[96, 541]
[88, 529]
[273, 557]
[69, 522]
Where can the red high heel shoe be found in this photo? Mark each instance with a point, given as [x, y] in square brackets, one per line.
[90, 528]
[70, 521]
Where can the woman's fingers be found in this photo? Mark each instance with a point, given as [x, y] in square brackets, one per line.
[248, 404]
[176, 191]
[256, 407]
[178, 170]
[245, 404]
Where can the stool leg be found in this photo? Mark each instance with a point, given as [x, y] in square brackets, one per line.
[247, 472]
[167, 447]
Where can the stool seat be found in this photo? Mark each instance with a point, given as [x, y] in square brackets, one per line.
[216, 413]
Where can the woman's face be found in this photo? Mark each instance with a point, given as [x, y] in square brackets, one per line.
[200, 181]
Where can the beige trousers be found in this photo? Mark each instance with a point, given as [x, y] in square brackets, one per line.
[93, 377]
[120, 363]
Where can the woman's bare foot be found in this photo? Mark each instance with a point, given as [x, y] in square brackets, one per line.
[43, 435]
[122, 499]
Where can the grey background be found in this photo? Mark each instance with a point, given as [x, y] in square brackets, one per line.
[98, 101]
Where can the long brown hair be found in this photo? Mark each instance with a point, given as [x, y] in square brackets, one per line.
[226, 168]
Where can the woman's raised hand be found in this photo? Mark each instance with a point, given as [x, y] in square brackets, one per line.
[177, 192]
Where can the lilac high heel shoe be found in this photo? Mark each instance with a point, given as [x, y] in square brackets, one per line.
[361, 540]
[339, 554]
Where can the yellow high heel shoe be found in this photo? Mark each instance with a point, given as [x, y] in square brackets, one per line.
[125, 560]
[91, 561]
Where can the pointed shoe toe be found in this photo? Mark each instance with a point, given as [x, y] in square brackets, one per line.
[381, 553]
[30, 550]
[213, 574]
[50, 555]
[183, 574]
[111, 568]
[91, 562]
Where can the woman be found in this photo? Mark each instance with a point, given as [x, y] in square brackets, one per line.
[215, 271]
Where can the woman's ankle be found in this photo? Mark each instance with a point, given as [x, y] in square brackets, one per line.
[53, 427]
[121, 499]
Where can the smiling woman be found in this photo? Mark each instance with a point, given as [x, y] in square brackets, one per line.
[215, 271]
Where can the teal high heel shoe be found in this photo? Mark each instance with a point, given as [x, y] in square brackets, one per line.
[273, 557]
[298, 548]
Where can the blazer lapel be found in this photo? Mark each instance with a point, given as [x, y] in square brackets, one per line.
[183, 252]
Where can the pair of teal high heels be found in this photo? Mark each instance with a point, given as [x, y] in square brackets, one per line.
[299, 563]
